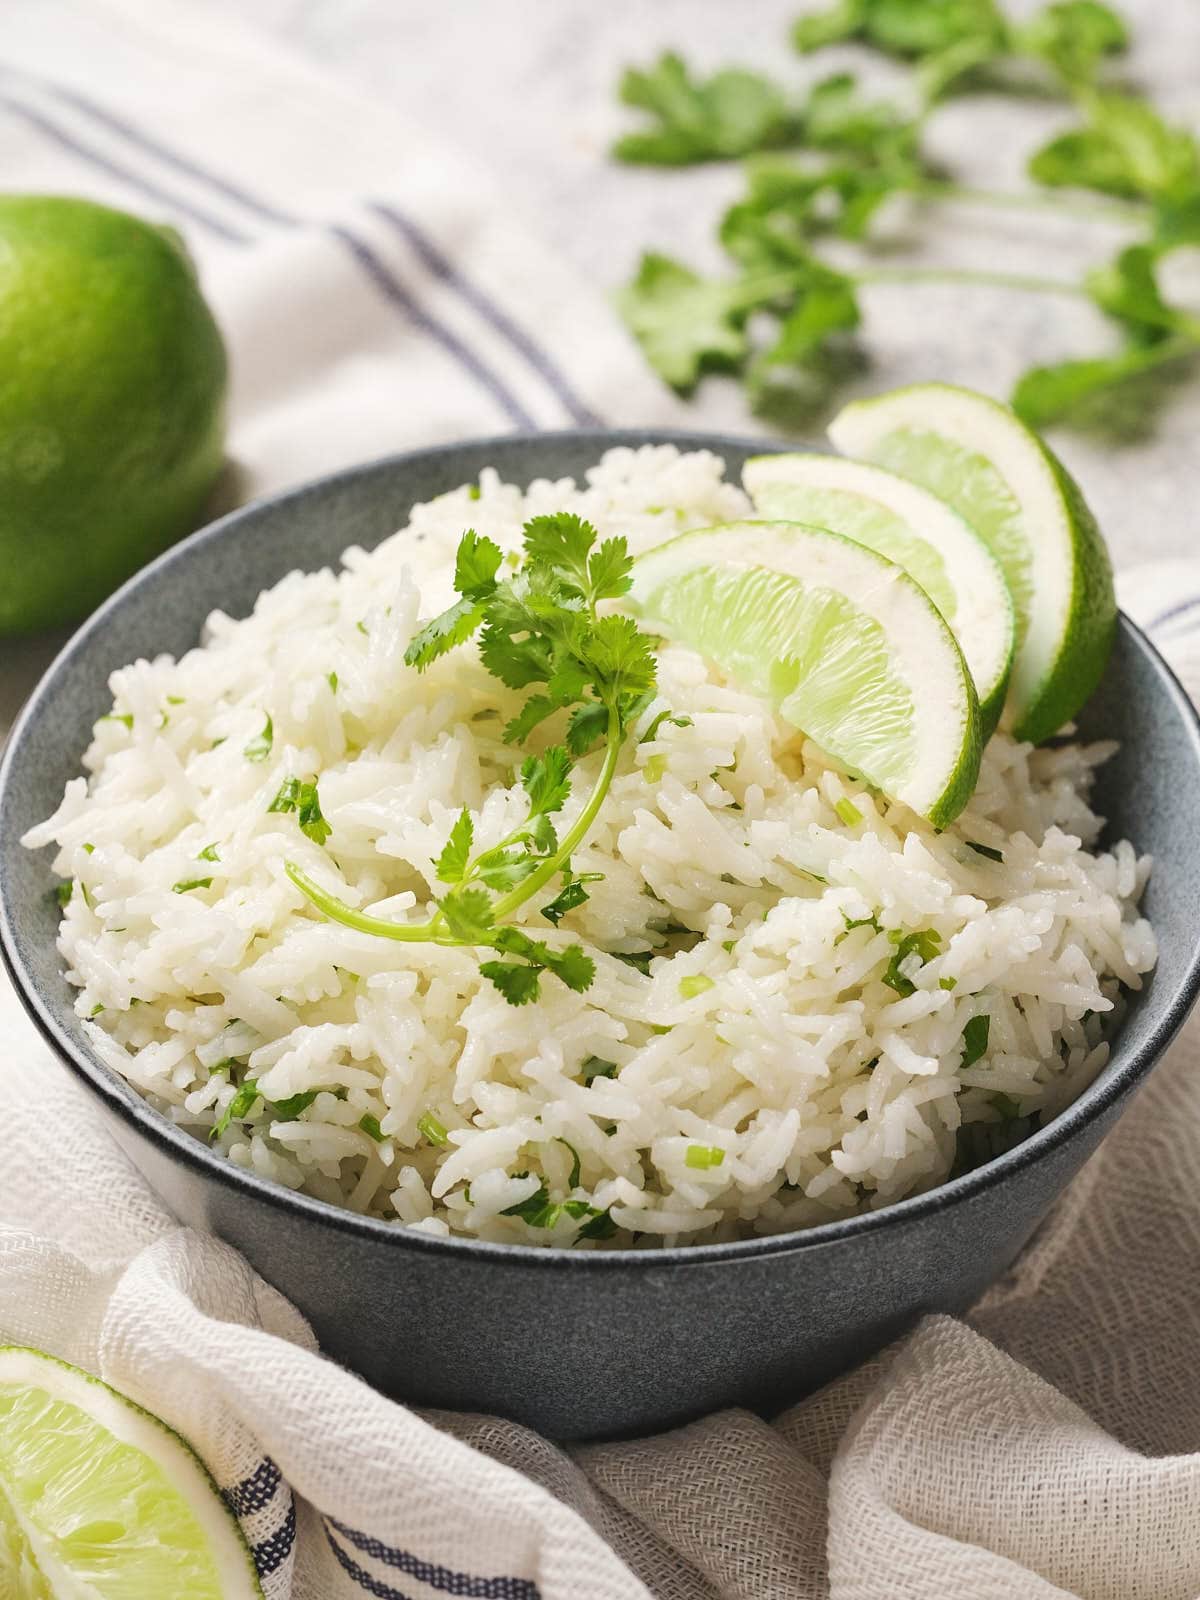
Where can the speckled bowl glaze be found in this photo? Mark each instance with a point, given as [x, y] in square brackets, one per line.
[597, 1343]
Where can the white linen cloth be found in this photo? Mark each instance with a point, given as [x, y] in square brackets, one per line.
[375, 297]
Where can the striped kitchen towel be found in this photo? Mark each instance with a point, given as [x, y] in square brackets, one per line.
[375, 292]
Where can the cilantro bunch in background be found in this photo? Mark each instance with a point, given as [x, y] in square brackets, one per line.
[819, 167]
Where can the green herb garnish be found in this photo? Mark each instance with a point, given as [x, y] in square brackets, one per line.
[240, 1106]
[209, 853]
[925, 944]
[975, 1040]
[259, 747]
[573, 1180]
[190, 883]
[302, 798]
[703, 1156]
[597, 1067]
[847, 811]
[695, 983]
[370, 1126]
[290, 1107]
[985, 850]
[431, 1129]
[539, 628]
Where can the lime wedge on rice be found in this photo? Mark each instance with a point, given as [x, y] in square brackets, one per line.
[919, 532]
[101, 1501]
[840, 639]
[975, 454]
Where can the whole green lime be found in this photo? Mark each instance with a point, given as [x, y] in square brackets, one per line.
[112, 398]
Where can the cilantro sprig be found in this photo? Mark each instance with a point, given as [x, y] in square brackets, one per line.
[539, 628]
[787, 320]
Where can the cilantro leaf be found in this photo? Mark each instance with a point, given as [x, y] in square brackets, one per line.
[239, 1107]
[609, 570]
[975, 1040]
[1126, 288]
[586, 724]
[601, 1226]
[1075, 390]
[302, 798]
[532, 1209]
[443, 633]
[451, 865]
[504, 869]
[1125, 149]
[190, 883]
[597, 1067]
[926, 943]
[571, 895]
[290, 1107]
[534, 712]
[560, 543]
[573, 1180]
[468, 914]
[725, 116]
[259, 747]
[475, 566]
[517, 982]
[663, 716]
[546, 779]
[905, 28]
[1074, 37]
[688, 325]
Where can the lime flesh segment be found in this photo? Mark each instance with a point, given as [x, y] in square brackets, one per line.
[917, 530]
[838, 638]
[976, 455]
[99, 1500]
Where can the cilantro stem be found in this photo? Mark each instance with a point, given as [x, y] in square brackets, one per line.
[1131, 212]
[407, 932]
[982, 277]
[576, 834]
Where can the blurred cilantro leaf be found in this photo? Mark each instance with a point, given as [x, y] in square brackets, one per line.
[696, 119]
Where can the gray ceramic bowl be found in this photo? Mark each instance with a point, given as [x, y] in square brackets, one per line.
[590, 1344]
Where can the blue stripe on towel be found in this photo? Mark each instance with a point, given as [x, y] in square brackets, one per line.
[172, 158]
[254, 1492]
[384, 279]
[66, 141]
[270, 1554]
[438, 264]
[443, 1579]
[445, 270]
[394, 291]
[1179, 609]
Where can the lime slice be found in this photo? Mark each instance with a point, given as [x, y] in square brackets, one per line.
[101, 1501]
[920, 533]
[838, 638]
[1022, 502]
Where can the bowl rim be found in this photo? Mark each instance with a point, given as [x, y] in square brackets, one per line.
[176, 1144]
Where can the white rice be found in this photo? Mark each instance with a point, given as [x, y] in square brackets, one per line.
[827, 1090]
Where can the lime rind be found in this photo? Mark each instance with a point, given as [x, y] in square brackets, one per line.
[936, 546]
[979, 456]
[93, 1489]
[839, 638]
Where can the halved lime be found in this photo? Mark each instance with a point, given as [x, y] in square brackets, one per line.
[1020, 499]
[838, 638]
[919, 532]
[99, 1500]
